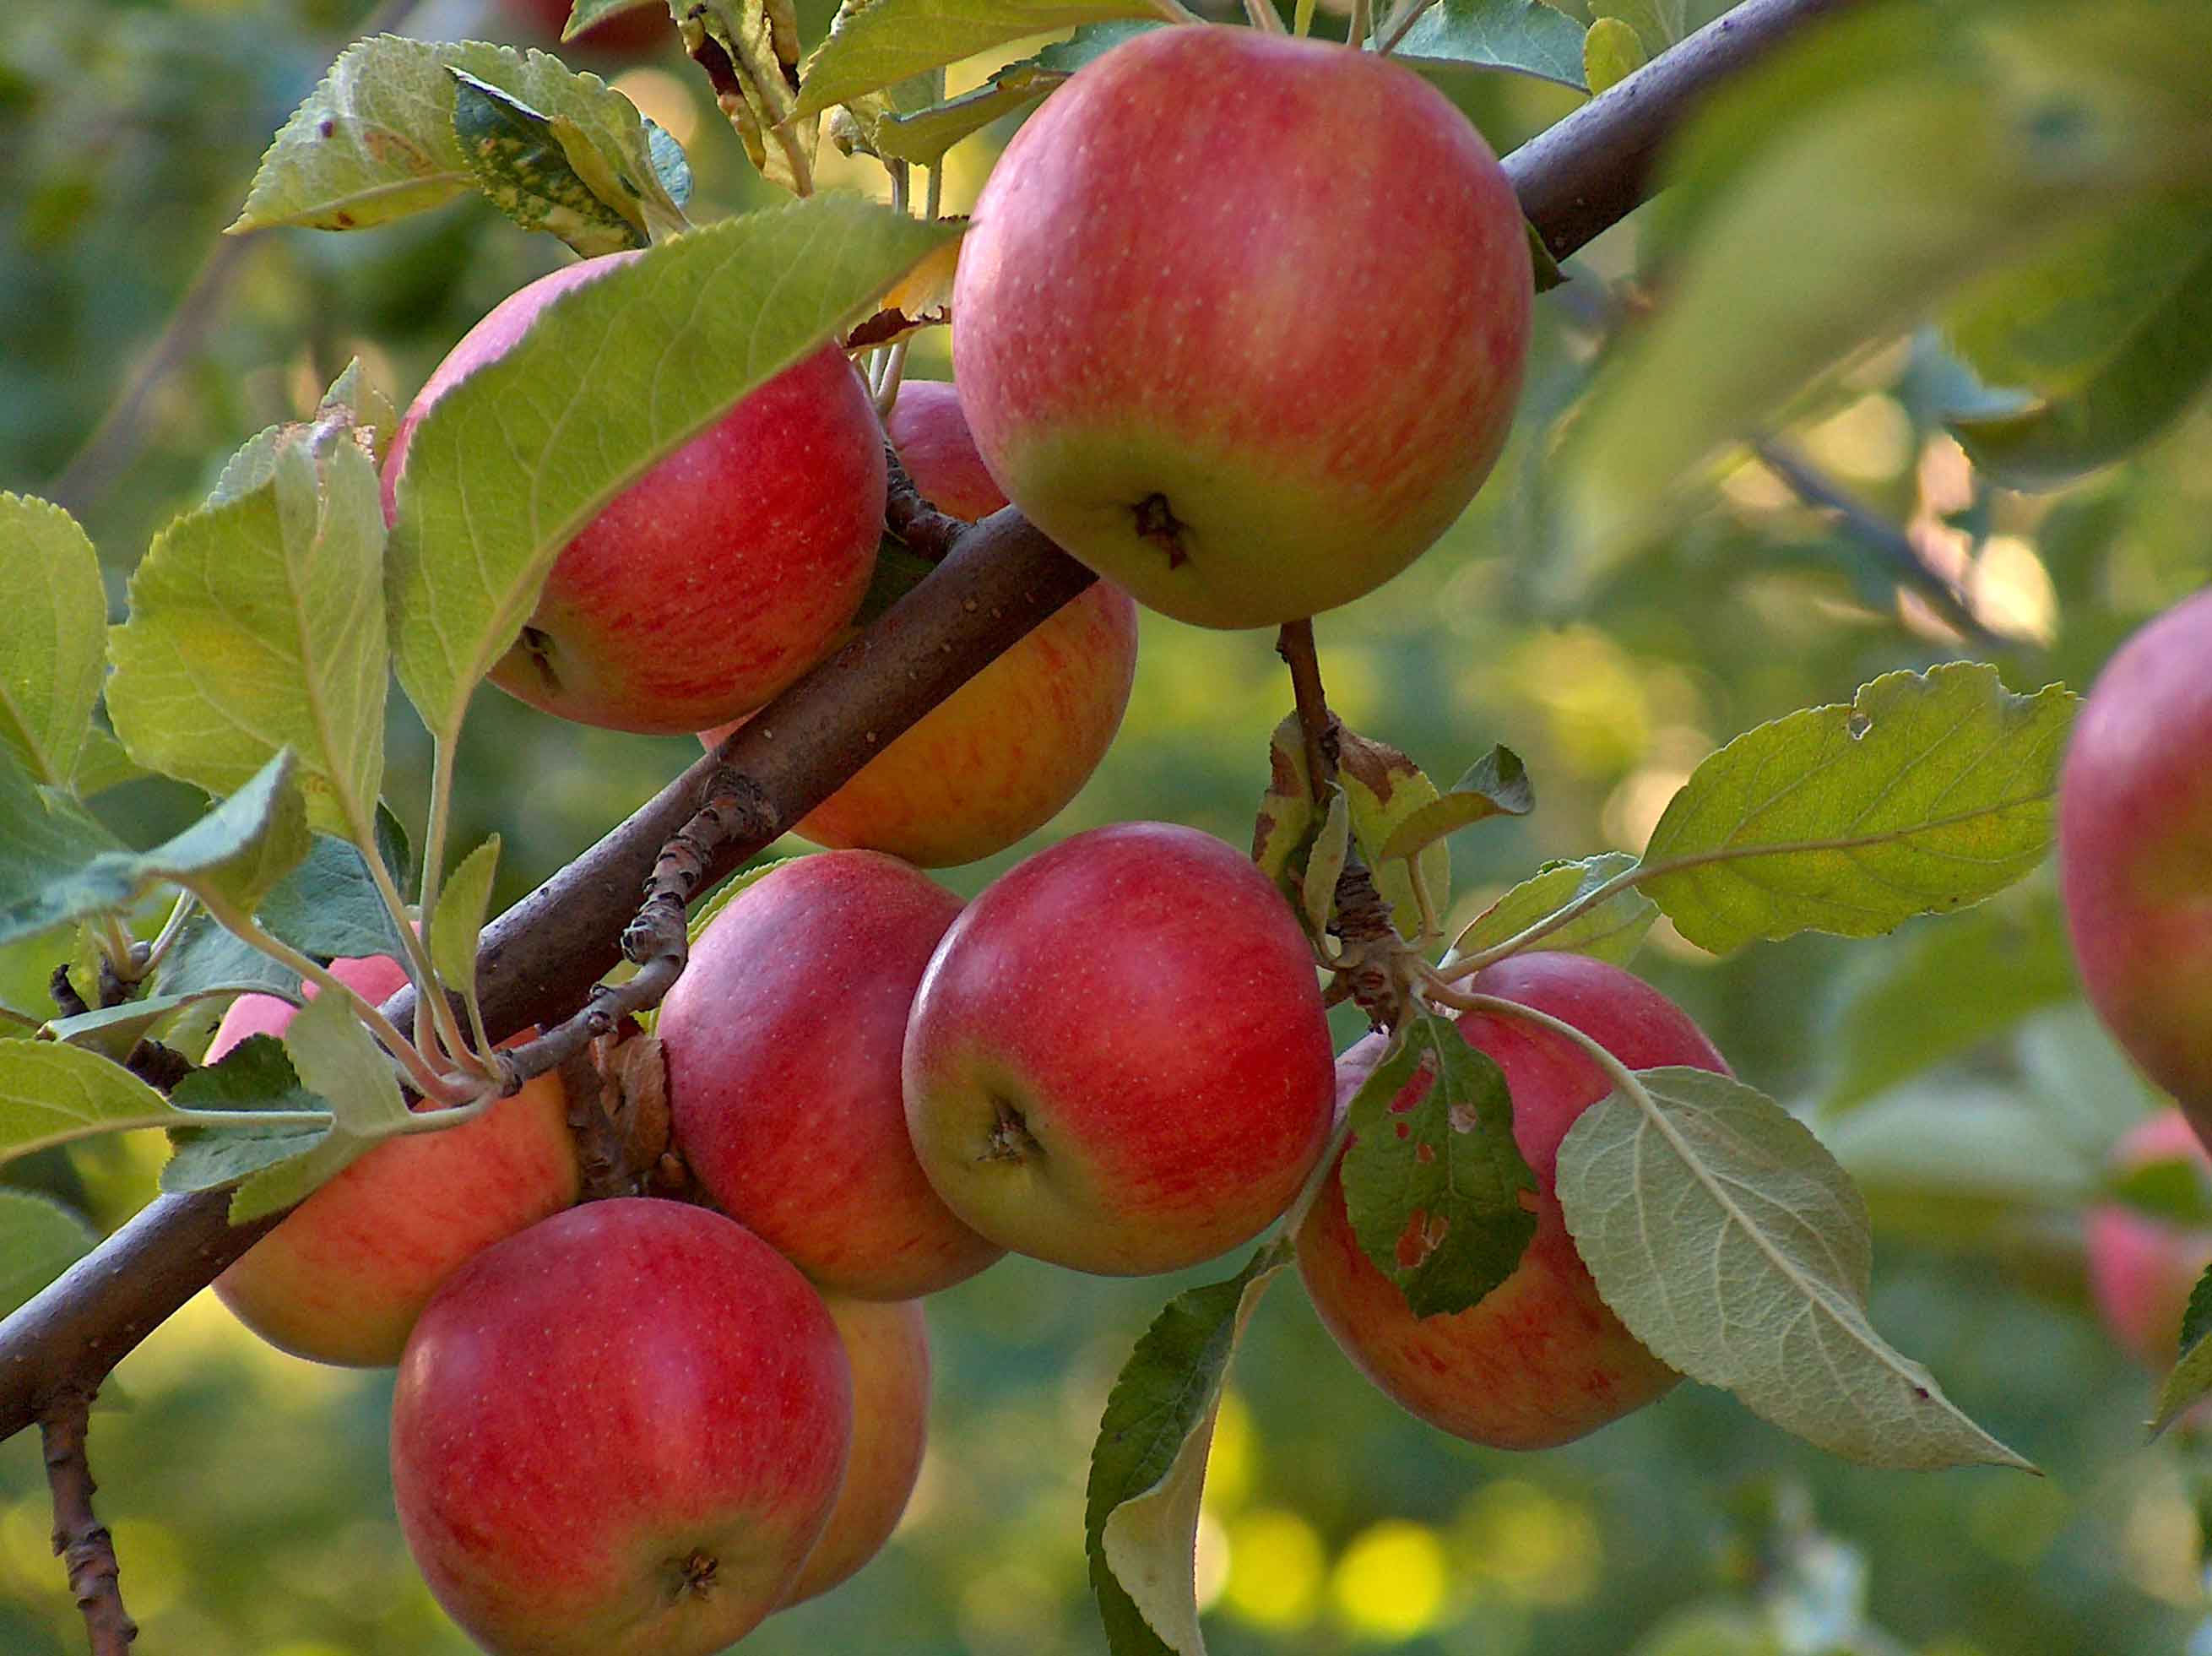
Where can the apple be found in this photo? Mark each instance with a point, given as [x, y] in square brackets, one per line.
[619, 1434]
[343, 1276]
[625, 34]
[1001, 757]
[2141, 1268]
[1118, 1061]
[1240, 320]
[783, 1040]
[720, 574]
[887, 1345]
[2135, 851]
[1541, 1360]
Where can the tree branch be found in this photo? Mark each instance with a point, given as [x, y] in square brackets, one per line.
[1003, 577]
[80, 1541]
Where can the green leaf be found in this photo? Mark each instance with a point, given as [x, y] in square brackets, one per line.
[1658, 23]
[258, 625]
[375, 141]
[1433, 1182]
[2190, 1382]
[2174, 1190]
[238, 851]
[1148, 1466]
[39, 1239]
[336, 1058]
[1331, 849]
[1612, 931]
[875, 43]
[256, 1075]
[922, 136]
[733, 888]
[52, 630]
[2095, 406]
[53, 1094]
[103, 764]
[613, 375]
[519, 162]
[1756, 1281]
[458, 922]
[751, 47]
[291, 1179]
[1824, 153]
[1496, 785]
[1938, 991]
[1611, 53]
[205, 958]
[589, 14]
[1928, 792]
[329, 906]
[112, 1031]
[1524, 36]
[351, 401]
[1387, 789]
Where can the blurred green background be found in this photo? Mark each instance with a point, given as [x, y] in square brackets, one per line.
[248, 1491]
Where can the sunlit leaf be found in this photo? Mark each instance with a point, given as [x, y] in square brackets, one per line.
[462, 903]
[1612, 930]
[922, 136]
[1387, 789]
[1496, 785]
[874, 43]
[1612, 51]
[51, 1093]
[516, 157]
[1756, 1281]
[1325, 861]
[53, 637]
[749, 49]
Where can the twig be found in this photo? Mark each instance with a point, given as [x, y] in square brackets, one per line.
[1295, 644]
[80, 1540]
[546, 952]
[926, 532]
[1880, 536]
[67, 1001]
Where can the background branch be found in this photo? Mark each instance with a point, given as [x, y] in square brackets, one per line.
[80, 1541]
[544, 956]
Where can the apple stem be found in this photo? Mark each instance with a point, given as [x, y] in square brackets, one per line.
[1295, 644]
[80, 1540]
[1363, 23]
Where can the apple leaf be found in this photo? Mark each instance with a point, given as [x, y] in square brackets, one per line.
[52, 630]
[1148, 1466]
[113, 1031]
[376, 140]
[1612, 51]
[1325, 860]
[1658, 23]
[2190, 1382]
[2086, 414]
[875, 43]
[731, 889]
[51, 1093]
[329, 906]
[1437, 1191]
[458, 922]
[205, 957]
[1496, 785]
[1524, 36]
[255, 1076]
[102, 764]
[1387, 789]
[613, 375]
[258, 625]
[1286, 818]
[39, 1239]
[1612, 930]
[1937, 991]
[519, 161]
[922, 136]
[922, 300]
[2174, 1189]
[1928, 792]
[750, 50]
[589, 14]
[350, 401]
[1757, 1280]
[241, 850]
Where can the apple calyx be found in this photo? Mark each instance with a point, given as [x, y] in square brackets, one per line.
[1158, 523]
[1010, 1138]
[695, 1575]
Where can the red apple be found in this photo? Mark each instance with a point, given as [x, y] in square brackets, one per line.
[343, 1277]
[1118, 1061]
[782, 1038]
[619, 1434]
[722, 573]
[997, 759]
[1542, 1360]
[2141, 1268]
[888, 1346]
[2135, 851]
[1240, 320]
[625, 34]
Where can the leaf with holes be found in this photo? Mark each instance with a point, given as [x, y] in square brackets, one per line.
[1436, 1190]
[1930, 791]
[1148, 1466]
[1757, 1279]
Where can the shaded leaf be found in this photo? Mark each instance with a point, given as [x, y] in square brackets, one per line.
[1612, 930]
[731, 889]
[875, 43]
[113, 1031]
[2190, 1381]
[1756, 1281]
[586, 14]
[329, 906]
[1437, 1191]
[256, 1075]
[205, 957]
[53, 634]
[1928, 792]
[1525, 36]
[518, 162]
[39, 1239]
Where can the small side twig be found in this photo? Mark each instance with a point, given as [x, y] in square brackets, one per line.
[80, 1541]
[67, 1001]
[926, 531]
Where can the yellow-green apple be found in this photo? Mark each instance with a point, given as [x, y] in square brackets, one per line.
[999, 758]
[887, 1344]
[1542, 1359]
[717, 576]
[619, 1434]
[1240, 320]
[2135, 851]
[1119, 1061]
[343, 1276]
[782, 1039]
[2141, 1268]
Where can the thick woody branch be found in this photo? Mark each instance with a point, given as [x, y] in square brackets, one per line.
[80, 1541]
[544, 956]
